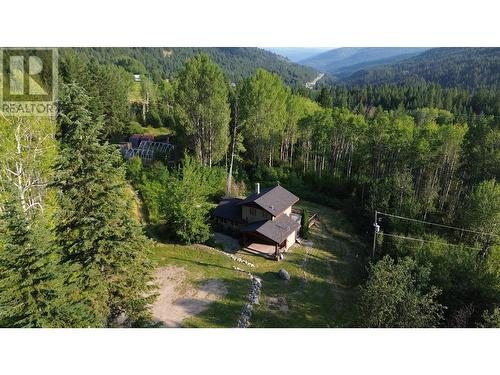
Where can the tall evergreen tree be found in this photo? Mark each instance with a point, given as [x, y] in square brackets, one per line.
[98, 236]
[28, 273]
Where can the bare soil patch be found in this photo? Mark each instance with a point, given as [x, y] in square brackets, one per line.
[277, 303]
[230, 244]
[179, 300]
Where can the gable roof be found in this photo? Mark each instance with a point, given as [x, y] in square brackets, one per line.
[274, 200]
[276, 230]
[227, 209]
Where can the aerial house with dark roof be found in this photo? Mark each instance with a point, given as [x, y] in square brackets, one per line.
[264, 218]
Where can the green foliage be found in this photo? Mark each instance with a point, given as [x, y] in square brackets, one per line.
[325, 98]
[101, 243]
[237, 63]
[203, 108]
[263, 109]
[26, 159]
[179, 199]
[131, 65]
[30, 277]
[184, 201]
[134, 169]
[483, 211]
[28, 273]
[411, 97]
[450, 67]
[304, 224]
[398, 295]
[415, 148]
[469, 284]
[491, 320]
[108, 87]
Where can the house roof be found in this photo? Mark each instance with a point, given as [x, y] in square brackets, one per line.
[274, 200]
[227, 209]
[276, 230]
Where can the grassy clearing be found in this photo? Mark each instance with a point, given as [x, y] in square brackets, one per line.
[135, 93]
[322, 291]
[139, 129]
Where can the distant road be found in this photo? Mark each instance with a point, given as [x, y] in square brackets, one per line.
[310, 85]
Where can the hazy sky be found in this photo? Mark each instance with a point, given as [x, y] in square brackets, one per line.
[298, 53]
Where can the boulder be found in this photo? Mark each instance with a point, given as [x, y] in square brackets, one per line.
[283, 274]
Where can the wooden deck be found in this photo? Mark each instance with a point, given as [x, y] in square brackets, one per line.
[267, 251]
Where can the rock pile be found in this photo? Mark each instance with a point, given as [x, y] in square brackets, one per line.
[237, 259]
[253, 299]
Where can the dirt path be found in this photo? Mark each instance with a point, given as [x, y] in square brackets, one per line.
[177, 300]
[308, 246]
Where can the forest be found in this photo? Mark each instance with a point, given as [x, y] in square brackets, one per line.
[470, 68]
[73, 255]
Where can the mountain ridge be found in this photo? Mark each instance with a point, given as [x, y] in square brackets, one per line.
[236, 62]
[462, 67]
[340, 59]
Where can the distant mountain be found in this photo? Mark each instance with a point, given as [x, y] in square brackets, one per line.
[297, 54]
[237, 62]
[449, 67]
[344, 61]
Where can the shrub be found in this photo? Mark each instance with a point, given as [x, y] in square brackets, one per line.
[304, 224]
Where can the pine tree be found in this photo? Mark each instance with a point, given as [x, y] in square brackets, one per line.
[28, 284]
[96, 232]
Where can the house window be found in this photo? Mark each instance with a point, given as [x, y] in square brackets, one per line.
[253, 212]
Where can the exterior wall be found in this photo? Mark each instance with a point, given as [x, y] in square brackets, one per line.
[290, 240]
[228, 224]
[258, 216]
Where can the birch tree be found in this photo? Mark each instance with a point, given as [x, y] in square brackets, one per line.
[203, 109]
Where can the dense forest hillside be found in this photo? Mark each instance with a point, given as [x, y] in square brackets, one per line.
[448, 67]
[236, 63]
[344, 61]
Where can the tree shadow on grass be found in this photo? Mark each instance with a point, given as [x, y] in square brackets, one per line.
[310, 305]
[226, 311]
[200, 263]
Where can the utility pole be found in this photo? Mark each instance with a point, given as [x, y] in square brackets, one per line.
[233, 143]
[376, 229]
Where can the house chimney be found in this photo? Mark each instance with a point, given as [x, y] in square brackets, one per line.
[257, 188]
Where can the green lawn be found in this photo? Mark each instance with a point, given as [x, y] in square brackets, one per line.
[322, 290]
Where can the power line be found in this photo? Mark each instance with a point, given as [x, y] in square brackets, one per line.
[421, 240]
[439, 225]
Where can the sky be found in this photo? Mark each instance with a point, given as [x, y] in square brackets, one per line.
[297, 54]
